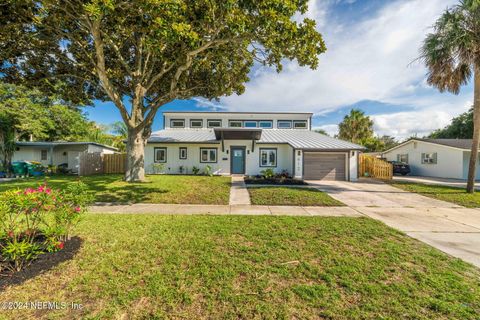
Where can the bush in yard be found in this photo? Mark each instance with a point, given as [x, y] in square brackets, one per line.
[267, 173]
[36, 221]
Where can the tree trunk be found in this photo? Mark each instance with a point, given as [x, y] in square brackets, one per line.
[135, 156]
[472, 167]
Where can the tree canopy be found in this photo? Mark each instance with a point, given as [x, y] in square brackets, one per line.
[356, 127]
[461, 127]
[151, 51]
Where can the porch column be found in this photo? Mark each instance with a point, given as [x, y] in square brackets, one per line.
[51, 155]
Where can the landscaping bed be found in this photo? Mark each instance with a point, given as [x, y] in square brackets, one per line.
[273, 180]
[243, 267]
[180, 189]
[446, 193]
[291, 196]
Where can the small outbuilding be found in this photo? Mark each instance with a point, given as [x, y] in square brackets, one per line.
[57, 152]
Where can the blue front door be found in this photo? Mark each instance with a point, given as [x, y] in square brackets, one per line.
[238, 160]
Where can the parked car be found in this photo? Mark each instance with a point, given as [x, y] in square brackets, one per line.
[400, 168]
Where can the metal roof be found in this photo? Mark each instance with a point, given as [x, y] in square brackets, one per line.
[59, 143]
[297, 138]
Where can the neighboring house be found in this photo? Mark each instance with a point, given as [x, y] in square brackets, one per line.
[443, 158]
[56, 153]
[247, 143]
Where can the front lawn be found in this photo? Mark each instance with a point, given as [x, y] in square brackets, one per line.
[451, 194]
[242, 267]
[159, 188]
[291, 196]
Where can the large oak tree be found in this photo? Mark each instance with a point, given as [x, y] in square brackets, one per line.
[151, 51]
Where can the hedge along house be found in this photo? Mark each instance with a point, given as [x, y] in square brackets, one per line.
[57, 152]
[442, 158]
[248, 143]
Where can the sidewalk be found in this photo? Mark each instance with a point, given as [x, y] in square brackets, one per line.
[225, 210]
[238, 192]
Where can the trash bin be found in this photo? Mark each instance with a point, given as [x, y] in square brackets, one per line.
[19, 168]
[34, 169]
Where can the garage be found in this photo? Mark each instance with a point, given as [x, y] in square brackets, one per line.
[324, 166]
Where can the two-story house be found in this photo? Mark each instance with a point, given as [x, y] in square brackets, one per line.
[247, 143]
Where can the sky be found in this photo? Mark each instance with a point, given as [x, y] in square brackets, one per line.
[370, 64]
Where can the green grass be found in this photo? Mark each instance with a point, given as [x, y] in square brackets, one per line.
[243, 267]
[159, 188]
[451, 194]
[290, 196]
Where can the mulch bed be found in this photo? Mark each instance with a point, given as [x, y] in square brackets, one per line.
[274, 181]
[41, 264]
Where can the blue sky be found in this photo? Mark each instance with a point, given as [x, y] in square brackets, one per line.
[370, 64]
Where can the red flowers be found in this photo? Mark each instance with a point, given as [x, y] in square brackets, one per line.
[60, 245]
[77, 209]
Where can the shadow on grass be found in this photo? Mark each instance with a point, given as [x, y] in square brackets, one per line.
[42, 264]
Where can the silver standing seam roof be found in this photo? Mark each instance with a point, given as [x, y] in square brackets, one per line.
[297, 139]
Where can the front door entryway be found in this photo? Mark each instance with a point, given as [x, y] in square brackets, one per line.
[237, 163]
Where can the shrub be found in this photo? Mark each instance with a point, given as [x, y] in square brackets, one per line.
[268, 173]
[195, 170]
[35, 221]
[208, 171]
[158, 168]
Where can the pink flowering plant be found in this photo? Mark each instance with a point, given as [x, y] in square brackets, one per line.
[38, 220]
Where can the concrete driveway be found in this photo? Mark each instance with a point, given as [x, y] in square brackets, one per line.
[443, 225]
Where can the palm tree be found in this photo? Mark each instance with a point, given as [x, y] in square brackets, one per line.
[452, 56]
[355, 127]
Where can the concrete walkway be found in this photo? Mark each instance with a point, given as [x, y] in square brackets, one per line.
[225, 210]
[238, 192]
[443, 225]
[435, 181]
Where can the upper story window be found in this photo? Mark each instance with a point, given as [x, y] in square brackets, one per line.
[235, 124]
[266, 124]
[250, 124]
[214, 123]
[196, 123]
[300, 124]
[177, 123]
[284, 124]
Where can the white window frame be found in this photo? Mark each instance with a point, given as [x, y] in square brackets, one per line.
[400, 156]
[177, 120]
[155, 158]
[196, 120]
[214, 120]
[183, 153]
[235, 121]
[284, 121]
[42, 153]
[208, 152]
[429, 158]
[303, 122]
[267, 151]
[270, 124]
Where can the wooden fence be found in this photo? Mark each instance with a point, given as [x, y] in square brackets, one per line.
[374, 167]
[114, 163]
[97, 163]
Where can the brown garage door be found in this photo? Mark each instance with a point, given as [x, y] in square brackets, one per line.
[324, 166]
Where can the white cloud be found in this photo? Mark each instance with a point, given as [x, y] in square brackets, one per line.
[366, 60]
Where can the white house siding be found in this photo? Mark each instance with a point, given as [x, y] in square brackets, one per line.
[353, 165]
[252, 159]
[449, 160]
[94, 148]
